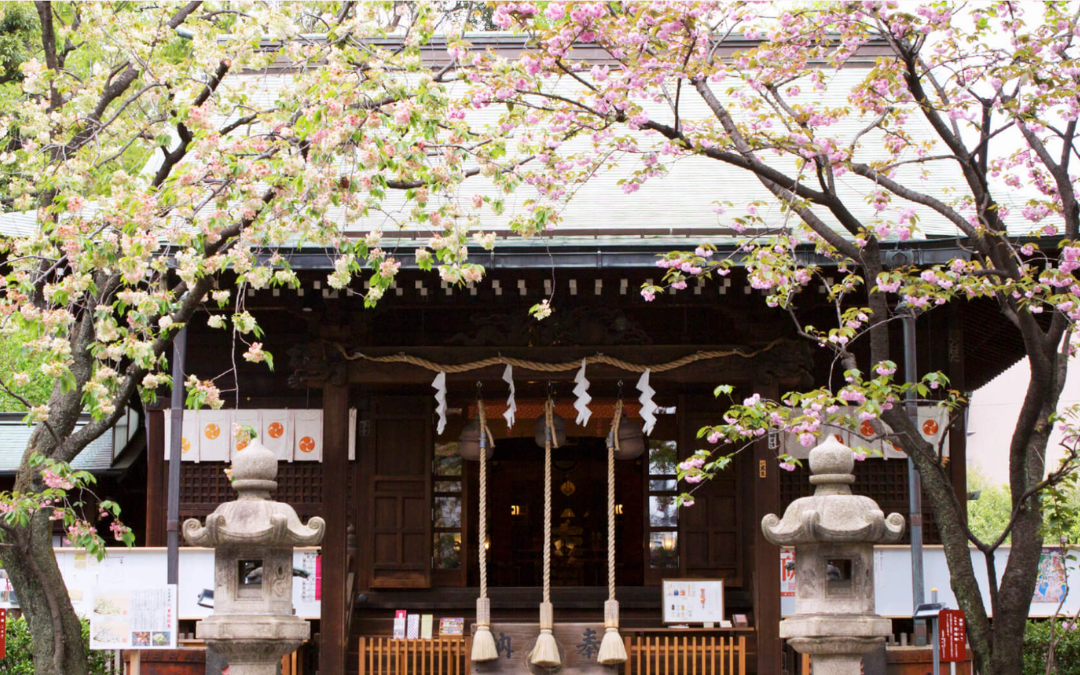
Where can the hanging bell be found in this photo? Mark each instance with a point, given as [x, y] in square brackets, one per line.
[631, 440]
[469, 446]
[559, 437]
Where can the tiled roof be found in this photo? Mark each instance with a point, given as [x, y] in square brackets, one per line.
[14, 435]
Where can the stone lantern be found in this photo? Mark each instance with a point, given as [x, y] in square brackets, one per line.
[253, 624]
[834, 533]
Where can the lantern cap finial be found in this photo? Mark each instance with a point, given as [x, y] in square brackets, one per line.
[831, 464]
[254, 471]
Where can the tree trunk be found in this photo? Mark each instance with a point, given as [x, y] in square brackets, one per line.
[55, 630]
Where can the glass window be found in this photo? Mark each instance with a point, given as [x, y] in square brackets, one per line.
[663, 455]
[662, 511]
[663, 521]
[447, 460]
[663, 550]
[447, 550]
[447, 512]
[446, 507]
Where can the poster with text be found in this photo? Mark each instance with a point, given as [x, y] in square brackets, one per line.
[693, 601]
[133, 618]
[787, 572]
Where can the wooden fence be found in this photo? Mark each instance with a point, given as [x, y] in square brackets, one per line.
[438, 656]
[685, 655]
[647, 655]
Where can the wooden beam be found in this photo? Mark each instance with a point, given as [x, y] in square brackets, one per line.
[766, 555]
[155, 478]
[335, 464]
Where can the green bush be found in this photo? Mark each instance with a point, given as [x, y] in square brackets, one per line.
[20, 660]
[1037, 641]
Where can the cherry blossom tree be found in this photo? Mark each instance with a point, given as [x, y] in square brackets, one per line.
[166, 154]
[960, 124]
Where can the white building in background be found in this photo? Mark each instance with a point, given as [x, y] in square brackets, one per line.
[994, 411]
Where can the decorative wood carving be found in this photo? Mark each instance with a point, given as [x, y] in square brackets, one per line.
[315, 364]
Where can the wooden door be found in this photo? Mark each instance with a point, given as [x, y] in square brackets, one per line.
[399, 513]
[710, 533]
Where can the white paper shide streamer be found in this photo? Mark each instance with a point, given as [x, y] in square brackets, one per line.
[440, 397]
[511, 404]
[648, 408]
[581, 390]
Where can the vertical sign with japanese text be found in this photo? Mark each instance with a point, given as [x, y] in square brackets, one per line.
[953, 635]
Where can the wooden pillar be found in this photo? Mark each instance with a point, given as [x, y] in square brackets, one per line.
[335, 464]
[766, 556]
[958, 432]
[155, 478]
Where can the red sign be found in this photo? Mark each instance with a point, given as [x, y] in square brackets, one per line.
[3, 633]
[952, 629]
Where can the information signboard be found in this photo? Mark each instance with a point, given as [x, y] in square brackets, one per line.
[133, 618]
[953, 635]
[693, 600]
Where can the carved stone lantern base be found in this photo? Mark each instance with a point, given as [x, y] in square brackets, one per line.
[253, 645]
[836, 643]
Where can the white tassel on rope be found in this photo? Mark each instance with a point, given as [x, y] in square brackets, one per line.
[648, 408]
[439, 384]
[612, 650]
[483, 647]
[511, 404]
[546, 651]
[581, 405]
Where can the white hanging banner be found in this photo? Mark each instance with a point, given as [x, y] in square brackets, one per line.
[242, 418]
[511, 404]
[189, 439]
[583, 398]
[648, 408]
[275, 433]
[307, 430]
[215, 435]
[440, 398]
[866, 431]
[933, 425]
[352, 434]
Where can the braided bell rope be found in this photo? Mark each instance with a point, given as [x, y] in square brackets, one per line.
[484, 648]
[549, 440]
[554, 367]
[482, 520]
[613, 446]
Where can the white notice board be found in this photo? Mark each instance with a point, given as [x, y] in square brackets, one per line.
[693, 600]
[133, 618]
